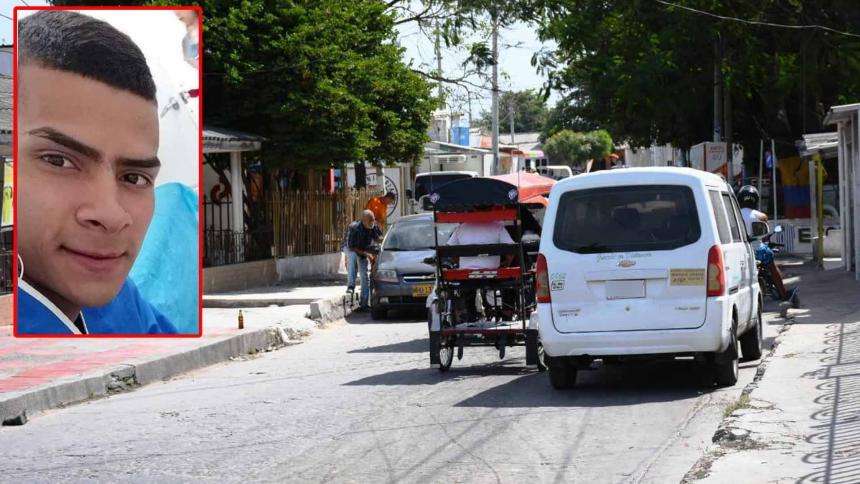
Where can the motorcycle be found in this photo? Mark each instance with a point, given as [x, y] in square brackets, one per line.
[767, 270]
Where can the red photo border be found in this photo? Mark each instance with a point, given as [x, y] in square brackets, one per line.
[200, 221]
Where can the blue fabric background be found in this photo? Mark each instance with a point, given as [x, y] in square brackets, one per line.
[166, 271]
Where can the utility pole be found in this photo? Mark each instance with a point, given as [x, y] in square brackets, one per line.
[717, 91]
[494, 14]
[511, 113]
[730, 151]
[437, 48]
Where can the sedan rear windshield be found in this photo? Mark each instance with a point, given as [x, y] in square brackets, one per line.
[416, 235]
[626, 219]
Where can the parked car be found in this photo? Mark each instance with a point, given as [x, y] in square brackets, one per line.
[646, 261]
[425, 183]
[402, 278]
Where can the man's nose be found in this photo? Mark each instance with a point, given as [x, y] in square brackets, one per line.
[102, 206]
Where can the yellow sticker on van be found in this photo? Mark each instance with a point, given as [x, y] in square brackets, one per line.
[687, 277]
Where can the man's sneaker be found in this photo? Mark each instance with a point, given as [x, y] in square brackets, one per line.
[362, 309]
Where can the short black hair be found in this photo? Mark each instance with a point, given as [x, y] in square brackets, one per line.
[80, 44]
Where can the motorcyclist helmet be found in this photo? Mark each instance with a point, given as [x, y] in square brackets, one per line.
[748, 197]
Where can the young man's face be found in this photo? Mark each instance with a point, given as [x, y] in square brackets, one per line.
[86, 167]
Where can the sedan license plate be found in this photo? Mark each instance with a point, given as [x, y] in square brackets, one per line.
[625, 289]
[422, 290]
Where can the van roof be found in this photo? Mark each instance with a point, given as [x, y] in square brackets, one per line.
[640, 175]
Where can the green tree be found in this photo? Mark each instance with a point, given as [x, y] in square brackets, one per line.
[324, 81]
[573, 149]
[529, 109]
[644, 71]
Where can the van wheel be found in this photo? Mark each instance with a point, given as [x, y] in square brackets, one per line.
[725, 365]
[751, 342]
[562, 375]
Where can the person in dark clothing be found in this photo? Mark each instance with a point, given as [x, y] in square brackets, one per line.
[360, 238]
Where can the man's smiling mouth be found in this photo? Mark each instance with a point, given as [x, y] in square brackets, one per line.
[97, 261]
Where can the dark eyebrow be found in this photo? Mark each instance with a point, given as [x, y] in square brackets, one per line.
[153, 162]
[88, 151]
[67, 141]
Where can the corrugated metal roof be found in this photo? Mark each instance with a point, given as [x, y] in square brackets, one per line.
[221, 140]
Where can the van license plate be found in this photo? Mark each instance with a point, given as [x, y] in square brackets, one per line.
[421, 290]
[625, 289]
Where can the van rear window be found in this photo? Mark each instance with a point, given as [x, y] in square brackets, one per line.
[626, 219]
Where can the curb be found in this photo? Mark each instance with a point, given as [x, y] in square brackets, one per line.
[333, 308]
[253, 303]
[17, 406]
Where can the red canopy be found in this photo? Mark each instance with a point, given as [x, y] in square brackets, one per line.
[532, 187]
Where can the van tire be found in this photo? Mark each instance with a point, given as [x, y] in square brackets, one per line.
[562, 374]
[725, 364]
[752, 340]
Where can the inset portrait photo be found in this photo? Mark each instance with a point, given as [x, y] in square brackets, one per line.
[107, 171]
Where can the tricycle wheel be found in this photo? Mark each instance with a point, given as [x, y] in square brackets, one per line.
[441, 350]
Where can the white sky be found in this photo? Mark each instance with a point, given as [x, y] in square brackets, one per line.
[517, 44]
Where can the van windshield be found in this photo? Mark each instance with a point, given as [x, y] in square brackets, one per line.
[626, 219]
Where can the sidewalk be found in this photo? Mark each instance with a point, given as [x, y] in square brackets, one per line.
[40, 374]
[800, 421]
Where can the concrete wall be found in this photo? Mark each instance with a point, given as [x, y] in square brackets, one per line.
[235, 277]
[309, 266]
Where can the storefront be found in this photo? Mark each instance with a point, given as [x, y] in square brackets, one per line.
[846, 118]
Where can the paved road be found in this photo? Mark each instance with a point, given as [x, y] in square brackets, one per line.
[358, 403]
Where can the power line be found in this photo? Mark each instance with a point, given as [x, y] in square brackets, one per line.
[6, 16]
[759, 23]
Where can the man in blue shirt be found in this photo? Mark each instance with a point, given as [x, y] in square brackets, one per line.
[87, 161]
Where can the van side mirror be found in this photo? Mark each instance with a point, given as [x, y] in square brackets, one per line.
[408, 193]
[759, 229]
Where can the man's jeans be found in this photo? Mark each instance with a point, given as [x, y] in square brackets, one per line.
[355, 263]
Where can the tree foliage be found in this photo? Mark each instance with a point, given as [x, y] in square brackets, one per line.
[573, 149]
[644, 71]
[323, 81]
[529, 109]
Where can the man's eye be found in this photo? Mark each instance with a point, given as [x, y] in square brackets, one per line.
[136, 179]
[59, 161]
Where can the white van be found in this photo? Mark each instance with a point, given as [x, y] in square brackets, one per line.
[646, 261]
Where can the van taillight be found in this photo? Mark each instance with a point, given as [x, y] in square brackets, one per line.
[542, 281]
[716, 272]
